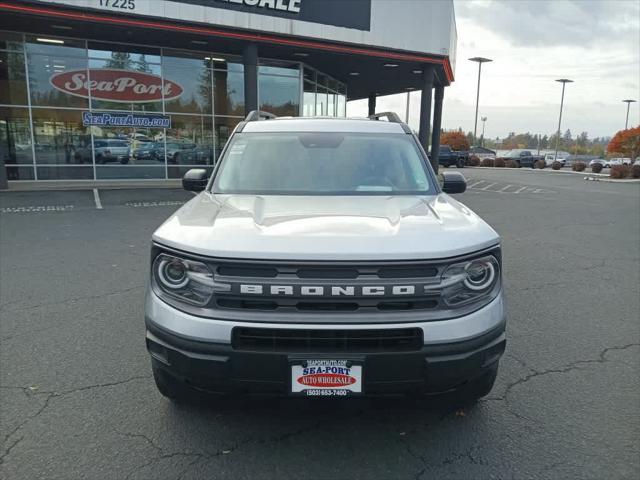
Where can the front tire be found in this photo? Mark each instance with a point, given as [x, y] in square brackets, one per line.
[461, 163]
[171, 387]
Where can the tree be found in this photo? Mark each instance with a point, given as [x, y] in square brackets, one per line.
[457, 140]
[626, 143]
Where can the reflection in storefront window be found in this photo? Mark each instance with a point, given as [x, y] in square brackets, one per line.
[118, 84]
[60, 138]
[279, 95]
[15, 136]
[203, 93]
[229, 92]
[194, 78]
[13, 79]
[46, 91]
[190, 141]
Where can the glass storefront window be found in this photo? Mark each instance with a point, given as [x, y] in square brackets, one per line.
[129, 56]
[309, 99]
[15, 136]
[50, 88]
[60, 138]
[279, 95]
[10, 41]
[203, 93]
[51, 46]
[116, 89]
[190, 140]
[194, 78]
[13, 79]
[228, 92]
[342, 106]
[273, 70]
[19, 173]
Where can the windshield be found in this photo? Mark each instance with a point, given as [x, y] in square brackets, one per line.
[324, 163]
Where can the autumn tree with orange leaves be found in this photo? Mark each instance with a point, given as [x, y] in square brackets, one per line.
[625, 143]
[455, 139]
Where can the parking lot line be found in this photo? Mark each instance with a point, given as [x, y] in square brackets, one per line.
[476, 184]
[96, 197]
[520, 189]
[488, 186]
[504, 189]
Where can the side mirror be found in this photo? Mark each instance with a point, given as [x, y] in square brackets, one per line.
[453, 182]
[195, 180]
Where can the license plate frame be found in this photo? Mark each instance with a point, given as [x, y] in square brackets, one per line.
[326, 377]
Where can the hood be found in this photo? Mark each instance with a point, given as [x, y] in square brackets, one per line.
[326, 228]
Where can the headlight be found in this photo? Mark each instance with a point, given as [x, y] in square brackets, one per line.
[470, 281]
[187, 280]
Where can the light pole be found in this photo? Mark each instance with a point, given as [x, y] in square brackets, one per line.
[484, 120]
[564, 81]
[628, 102]
[480, 61]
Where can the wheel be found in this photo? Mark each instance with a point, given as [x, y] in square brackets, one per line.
[124, 161]
[445, 164]
[177, 158]
[99, 160]
[518, 165]
[478, 387]
[461, 163]
[171, 387]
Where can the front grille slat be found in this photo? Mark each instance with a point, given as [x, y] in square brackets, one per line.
[292, 340]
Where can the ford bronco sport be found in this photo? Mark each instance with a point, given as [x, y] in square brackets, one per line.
[324, 257]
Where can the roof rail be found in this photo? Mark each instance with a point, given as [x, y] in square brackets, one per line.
[255, 115]
[390, 116]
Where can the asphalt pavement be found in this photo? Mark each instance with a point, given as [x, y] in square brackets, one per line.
[77, 399]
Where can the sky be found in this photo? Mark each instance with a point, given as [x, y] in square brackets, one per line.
[596, 43]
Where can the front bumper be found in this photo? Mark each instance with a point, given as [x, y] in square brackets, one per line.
[475, 344]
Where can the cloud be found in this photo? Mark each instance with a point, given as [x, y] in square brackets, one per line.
[557, 22]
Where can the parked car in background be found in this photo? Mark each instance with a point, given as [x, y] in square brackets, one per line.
[448, 157]
[148, 151]
[523, 158]
[549, 158]
[617, 161]
[482, 153]
[109, 150]
[597, 160]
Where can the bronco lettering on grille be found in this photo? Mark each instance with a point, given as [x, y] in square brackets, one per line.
[332, 291]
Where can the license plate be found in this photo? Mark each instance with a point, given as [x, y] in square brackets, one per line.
[326, 378]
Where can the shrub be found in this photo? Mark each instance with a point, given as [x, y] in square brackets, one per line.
[510, 163]
[474, 161]
[487, 162]
[540, 164]
[556, 165]
[499, 162]
[635, 171]
[579, 166]
[596, 168]
[620, 171]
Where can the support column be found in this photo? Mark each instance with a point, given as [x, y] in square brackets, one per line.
[425, 107]
[250, 61]
[372, 104]
[437, 127]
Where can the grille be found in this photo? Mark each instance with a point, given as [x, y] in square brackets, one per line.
[290, 340]
[345, 275]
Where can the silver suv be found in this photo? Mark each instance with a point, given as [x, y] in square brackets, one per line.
[324, 257]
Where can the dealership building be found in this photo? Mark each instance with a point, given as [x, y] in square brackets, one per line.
[121, 90]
